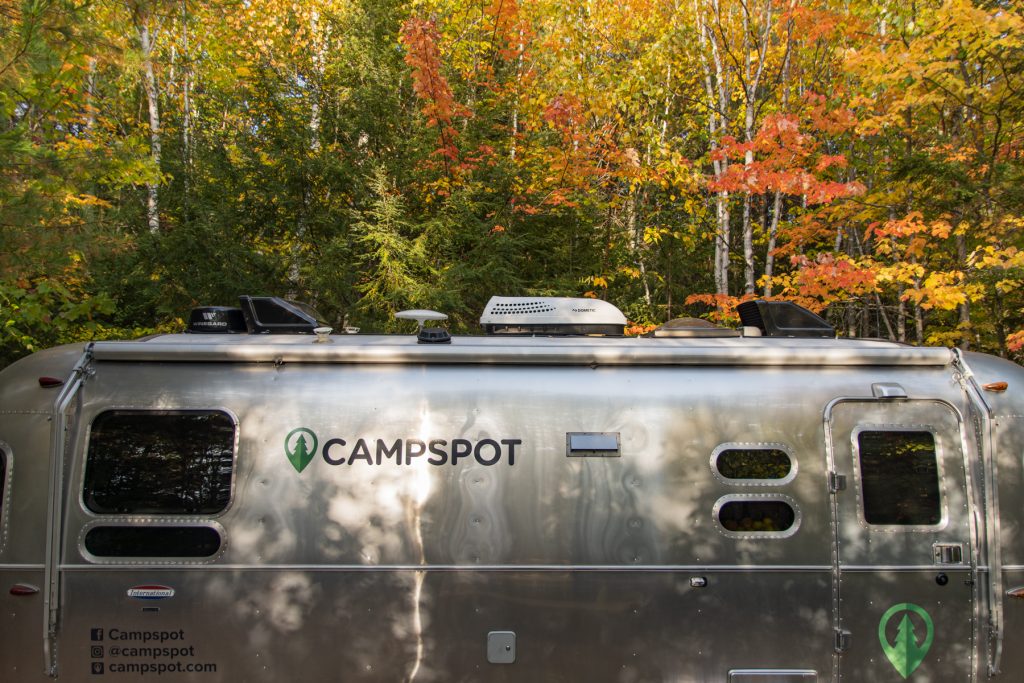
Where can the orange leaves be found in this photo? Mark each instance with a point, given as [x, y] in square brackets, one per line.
[639, 329]
[420, 38]
[1015, 342]
[510, 32]
[563, 113]
[813, 23]
[786, 156]
[724, 306]
[908, 236]
[823, 278]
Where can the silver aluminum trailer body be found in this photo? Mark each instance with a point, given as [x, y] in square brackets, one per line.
[516, 509]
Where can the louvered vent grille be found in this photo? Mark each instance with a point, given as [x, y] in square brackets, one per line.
[521, 307]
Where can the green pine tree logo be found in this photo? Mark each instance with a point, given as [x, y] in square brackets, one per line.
[907, 652]
[299, 451]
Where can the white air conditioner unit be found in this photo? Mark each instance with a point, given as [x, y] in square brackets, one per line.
[551, 316]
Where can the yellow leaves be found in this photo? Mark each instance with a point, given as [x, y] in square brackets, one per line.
[942, 290]
[945, 290]
[1006, 286]
[654, 234]
[902, 272]
[991, 257]
[80, 200]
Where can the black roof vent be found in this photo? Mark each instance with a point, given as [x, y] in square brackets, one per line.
[783, 319]
[433, 335]
[216, 320]
[274, 315]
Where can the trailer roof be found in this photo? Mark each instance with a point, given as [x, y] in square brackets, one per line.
[503, 350]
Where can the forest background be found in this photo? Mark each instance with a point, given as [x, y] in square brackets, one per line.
[675, 157]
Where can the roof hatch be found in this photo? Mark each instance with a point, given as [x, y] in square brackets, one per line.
[256, 315]
[783, 319]
[551, 316]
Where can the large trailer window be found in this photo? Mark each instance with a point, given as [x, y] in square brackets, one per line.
[159, 462]
[899, 478]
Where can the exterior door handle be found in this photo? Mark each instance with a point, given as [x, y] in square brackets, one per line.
[24, 589]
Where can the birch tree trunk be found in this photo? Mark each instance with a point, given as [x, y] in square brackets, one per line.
[186, 102]
[718, 103]
[773, 228]
[143, 24]
[315, 85]
[752, 73]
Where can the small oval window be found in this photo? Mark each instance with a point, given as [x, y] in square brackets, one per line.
[754, 463]
[152, 541]
[753, 516]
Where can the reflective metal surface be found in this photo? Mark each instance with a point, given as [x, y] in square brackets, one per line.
[441, 501]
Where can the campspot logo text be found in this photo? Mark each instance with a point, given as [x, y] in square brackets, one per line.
[301, 446]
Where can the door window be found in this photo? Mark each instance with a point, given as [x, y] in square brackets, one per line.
[899, 477]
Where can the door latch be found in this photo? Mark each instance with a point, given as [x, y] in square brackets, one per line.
[948, 553]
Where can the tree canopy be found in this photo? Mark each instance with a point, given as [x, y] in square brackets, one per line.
[676, 157]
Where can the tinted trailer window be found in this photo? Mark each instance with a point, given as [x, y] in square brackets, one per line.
[159, 462]
[900, 478]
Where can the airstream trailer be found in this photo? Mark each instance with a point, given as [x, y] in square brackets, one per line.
[261, 500]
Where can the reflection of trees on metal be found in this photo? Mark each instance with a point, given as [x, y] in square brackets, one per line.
[168, 462]
[899, 477]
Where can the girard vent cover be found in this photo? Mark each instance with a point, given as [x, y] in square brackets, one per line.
[552, 316]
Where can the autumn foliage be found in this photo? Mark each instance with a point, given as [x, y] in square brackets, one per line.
[864, 159]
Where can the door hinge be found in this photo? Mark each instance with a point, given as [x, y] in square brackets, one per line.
[842, 643]
[836, 482]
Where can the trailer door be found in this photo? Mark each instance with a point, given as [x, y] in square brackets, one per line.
[903, 577]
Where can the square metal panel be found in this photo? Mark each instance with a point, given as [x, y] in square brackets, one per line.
[501, 647]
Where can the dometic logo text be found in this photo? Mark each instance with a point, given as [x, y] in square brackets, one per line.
[301, 446]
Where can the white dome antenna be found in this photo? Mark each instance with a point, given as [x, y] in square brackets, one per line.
[421, 316]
